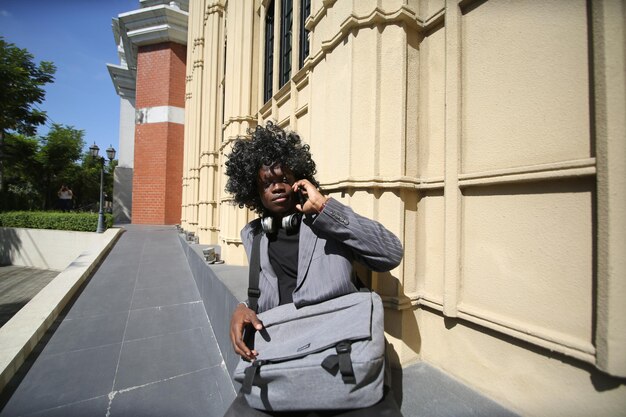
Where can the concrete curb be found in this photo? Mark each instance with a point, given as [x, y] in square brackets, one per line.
[20, 335]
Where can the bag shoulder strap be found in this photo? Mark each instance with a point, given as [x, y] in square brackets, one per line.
[253, 275]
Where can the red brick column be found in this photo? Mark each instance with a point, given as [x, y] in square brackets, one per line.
[157, 179]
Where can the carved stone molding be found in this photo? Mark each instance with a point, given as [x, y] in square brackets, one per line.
[378, 16]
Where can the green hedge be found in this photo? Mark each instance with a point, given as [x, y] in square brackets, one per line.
[82, 222]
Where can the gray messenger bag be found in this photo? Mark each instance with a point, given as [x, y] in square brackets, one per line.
[323, 356]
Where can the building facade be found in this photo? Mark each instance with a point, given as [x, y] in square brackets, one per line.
[489, 135]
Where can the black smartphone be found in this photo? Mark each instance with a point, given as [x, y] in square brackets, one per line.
[301, 196]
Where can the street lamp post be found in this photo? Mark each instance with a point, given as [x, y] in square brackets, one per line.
[94, 150]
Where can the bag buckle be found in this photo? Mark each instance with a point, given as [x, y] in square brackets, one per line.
[343, 347]
[340, 361]
[249, 375]
[254, 293]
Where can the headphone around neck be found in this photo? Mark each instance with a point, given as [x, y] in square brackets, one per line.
[290, 223]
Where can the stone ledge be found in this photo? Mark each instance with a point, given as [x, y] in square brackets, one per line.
[221, 287]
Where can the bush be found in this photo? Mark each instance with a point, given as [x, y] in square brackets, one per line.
[81, 222]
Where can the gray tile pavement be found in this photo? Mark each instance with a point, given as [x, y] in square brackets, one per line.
[425, 391]
[135, 342]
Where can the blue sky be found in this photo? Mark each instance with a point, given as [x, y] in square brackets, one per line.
[76, 36]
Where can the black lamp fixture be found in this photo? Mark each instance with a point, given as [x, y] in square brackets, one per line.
[110, 153]
[93, 151]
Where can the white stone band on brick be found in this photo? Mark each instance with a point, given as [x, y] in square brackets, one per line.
[160, 114]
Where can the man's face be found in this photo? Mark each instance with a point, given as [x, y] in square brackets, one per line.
[274, 186]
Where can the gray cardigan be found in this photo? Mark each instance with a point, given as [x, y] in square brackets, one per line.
[329, 242]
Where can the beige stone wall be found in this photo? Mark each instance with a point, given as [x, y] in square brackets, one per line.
[489, 136]
[204, 119]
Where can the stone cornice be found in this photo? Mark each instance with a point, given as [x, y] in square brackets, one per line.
[378, 16]
[123, 79]
[182, 4]
[156, 24]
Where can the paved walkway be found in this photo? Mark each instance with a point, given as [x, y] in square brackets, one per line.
[136, 342]
[18, 285]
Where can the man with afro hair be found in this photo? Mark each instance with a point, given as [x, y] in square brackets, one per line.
[308, 241]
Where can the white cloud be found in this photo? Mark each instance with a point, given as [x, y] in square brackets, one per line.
[4, 13]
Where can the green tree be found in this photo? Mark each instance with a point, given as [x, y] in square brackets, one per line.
[87, 187]
[61, 150]
[23, 172]
[36, 167]
[21, 88]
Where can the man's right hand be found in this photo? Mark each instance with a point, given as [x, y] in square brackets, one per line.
[242, 317]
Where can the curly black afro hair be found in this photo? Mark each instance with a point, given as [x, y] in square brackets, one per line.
[268, 145]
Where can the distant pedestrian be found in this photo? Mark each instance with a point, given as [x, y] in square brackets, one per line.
[65, 198]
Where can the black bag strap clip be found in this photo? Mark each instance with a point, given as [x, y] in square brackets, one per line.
[342, 362]
[249, 375]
